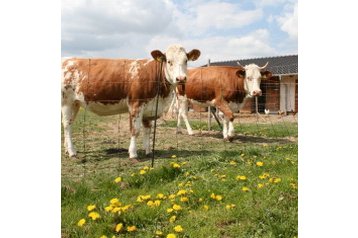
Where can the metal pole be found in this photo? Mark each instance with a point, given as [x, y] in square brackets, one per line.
[209, 108]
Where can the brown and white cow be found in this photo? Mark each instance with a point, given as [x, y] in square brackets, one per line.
[224, 87]
[114, 86]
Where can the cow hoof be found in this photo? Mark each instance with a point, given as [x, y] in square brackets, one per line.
[74, 156]
[134, 160]
[230, 138]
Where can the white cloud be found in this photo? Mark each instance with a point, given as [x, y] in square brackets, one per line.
[289, 21]
[209, 16]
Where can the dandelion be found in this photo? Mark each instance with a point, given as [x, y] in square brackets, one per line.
[171, 235]
[94, 215]
[178, 228]
[184, 199]
[241, 177]
[200, 199]
[213, 196]
[103, 236]
[172, 196]
[264, 176]
[119, 227]
[118, 180]
[146, 168]
[115, 202]
[232, 162]
[160, 196]
[174, 156]
[175, 165]
[230, 206]
[170, 210]
[260, 164]
[159, 233]
[181, 192]
[142, 171]
[172, 219]
[177, 207]
[275, 180]
[260, 185]
[108, 208]
[245, 189]
[206, 207]
[81, 222]
[218, 197]
[91, 207]
[131, 228]
[293, 185]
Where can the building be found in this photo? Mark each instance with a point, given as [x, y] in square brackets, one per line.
[280, 92]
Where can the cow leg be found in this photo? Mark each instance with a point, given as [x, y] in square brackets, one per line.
[147, 127]
[183, 113]
[69, 112]
[228, 129]
[135, 121]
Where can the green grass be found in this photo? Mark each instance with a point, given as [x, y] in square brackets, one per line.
[207, 165]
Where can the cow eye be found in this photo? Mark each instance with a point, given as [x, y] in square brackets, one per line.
[170, 62]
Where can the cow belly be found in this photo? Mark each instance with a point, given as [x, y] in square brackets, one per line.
[102, 109]
[163, 106]
[203, 104]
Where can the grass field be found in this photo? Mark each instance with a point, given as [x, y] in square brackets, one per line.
[200, 186]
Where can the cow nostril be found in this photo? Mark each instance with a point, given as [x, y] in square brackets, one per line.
[181, 78]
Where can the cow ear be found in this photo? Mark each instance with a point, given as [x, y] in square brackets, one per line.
[158, 55]
[241, 73]
[193, 55]
[266, 74]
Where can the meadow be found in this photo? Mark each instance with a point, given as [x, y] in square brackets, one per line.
[200, 186]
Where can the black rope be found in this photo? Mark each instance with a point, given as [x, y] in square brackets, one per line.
[159, 77]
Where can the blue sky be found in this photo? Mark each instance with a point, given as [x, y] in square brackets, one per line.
[222, 30]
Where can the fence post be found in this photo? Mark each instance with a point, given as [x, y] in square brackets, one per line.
[209, 108]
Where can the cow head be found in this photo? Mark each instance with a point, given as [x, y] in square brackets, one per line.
[175, 62]
[252, 75]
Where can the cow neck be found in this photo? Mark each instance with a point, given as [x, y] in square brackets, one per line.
[164, 85]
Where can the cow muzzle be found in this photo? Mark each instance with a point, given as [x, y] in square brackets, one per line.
[256, 93]
[181, 79]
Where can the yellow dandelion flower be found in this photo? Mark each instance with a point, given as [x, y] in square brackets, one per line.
[119, 227]
[159, 233]
[160, 196]
[181, 192]
[230, 206]
[181, 184]
[103, 236]
[157, 203]
[94, 215]
[176, 165]
[259, 163]
[81, 222]
[170, 210]
[260, 185]
[184, 199]
[213, 196]
[245, 189]
[172, 219]
[116, 209]
[276, 180]
[206, 207]
[177, 207]
[293, 185]
[146, 168]
[241, 177]
[171, 235]
[174, 156]
[178, 228]
[115, 202]
[150, 203]
[118, 180]
[91, 207]
[218, 197]
[172, 196]
[232, 162]
[108, 208]
[131, 228]
[264, 176]
[200, 199]
[142, 171]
